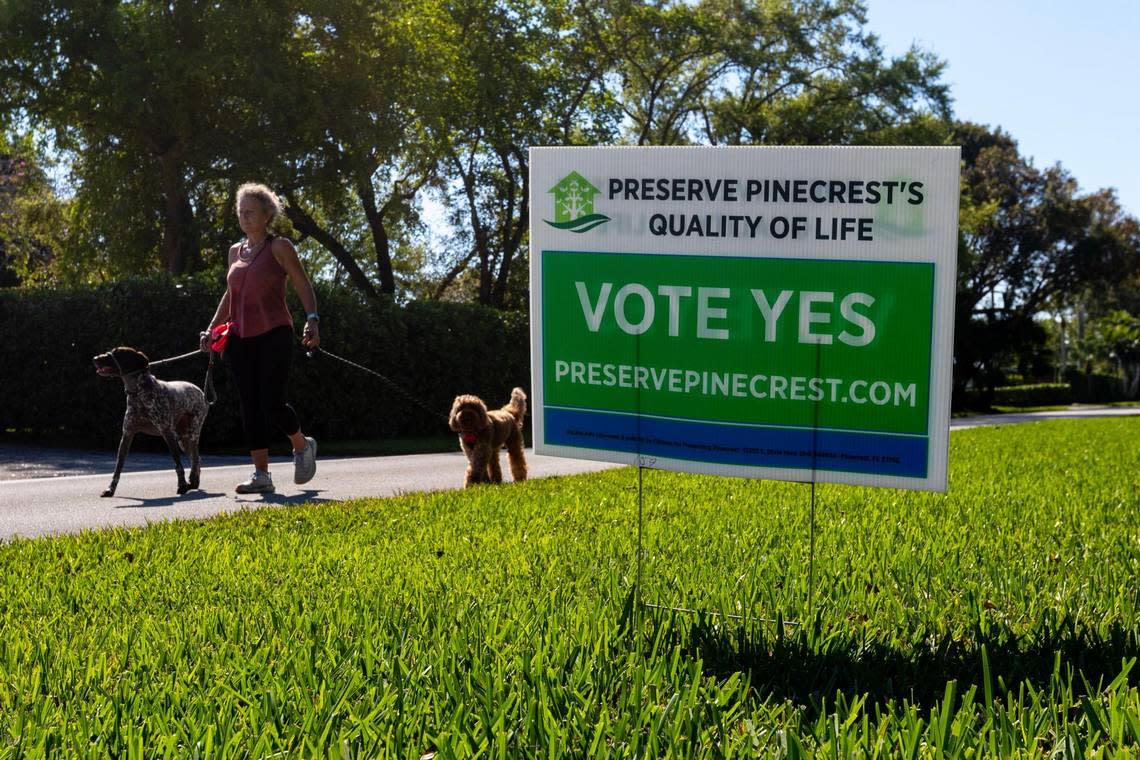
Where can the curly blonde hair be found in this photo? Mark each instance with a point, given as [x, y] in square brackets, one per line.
[268, 199]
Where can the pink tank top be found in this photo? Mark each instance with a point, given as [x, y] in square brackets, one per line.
[257, 294]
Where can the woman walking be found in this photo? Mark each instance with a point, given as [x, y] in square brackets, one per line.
[259, 345]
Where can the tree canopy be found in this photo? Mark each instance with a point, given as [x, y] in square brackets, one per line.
[398, 133]
[360, 112]
[1030, 243]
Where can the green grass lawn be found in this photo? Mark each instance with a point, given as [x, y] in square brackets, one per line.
[1001, 618]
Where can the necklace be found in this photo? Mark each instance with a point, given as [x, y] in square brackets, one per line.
[245, 253]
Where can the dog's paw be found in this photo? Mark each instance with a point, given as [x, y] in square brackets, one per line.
[193, 484]
[108, 492]
[183, 488]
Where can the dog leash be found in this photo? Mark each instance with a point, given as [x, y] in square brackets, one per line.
[186, 355]
[207, 384]
[212, 396]
[312, 353]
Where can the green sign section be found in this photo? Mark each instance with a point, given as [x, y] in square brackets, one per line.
[786, 342]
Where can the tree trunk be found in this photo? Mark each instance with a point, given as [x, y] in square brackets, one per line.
[484, 265]
[479, 231]
[178, 217]
[512, 230]
[455, 271]
[1131, 381]
[306, 224]
[380, 239]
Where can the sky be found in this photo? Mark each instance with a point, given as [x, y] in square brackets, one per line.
[1062, 77]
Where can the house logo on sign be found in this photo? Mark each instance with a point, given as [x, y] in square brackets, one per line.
[574, 205]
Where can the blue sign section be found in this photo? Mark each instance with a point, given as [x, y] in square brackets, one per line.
[873, 453]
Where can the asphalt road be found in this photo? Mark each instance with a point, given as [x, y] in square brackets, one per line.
[50, 491]
[71, 503]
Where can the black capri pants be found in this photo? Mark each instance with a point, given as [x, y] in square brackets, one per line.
[260, 368]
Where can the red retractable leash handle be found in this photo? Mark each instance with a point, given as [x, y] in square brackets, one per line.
[218, 337]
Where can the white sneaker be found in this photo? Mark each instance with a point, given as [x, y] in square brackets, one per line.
[305, 462]
[259, 482]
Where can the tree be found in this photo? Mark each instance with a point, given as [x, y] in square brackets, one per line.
[357, 148]
[1029, 242]
[33, 219]
[662, 72]
[1121, 337]
[352, 109]
[132, 92]
[739, 72]
[520, 77]
[809, 74]
[661, 59]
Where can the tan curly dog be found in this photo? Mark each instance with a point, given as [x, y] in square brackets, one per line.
[483, 433]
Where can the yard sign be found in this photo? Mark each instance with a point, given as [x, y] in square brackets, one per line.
[762, 312]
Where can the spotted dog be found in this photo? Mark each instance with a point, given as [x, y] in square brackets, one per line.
[175, 411]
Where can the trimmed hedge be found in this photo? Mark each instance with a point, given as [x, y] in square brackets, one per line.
[1041, 394]
[430, 351]
[1096, 387]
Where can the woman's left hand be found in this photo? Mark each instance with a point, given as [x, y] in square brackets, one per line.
[311, 335]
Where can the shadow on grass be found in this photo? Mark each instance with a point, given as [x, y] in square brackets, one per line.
[805, 666]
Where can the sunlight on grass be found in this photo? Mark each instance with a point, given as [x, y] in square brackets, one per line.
[1000, 617]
